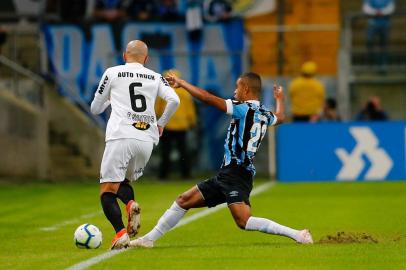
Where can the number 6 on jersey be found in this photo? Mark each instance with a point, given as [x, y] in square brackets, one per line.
[138, 102]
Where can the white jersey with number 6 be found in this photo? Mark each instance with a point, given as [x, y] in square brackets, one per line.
[132, 89]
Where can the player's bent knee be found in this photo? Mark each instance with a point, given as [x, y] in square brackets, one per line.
[183, 201]
[190, 199]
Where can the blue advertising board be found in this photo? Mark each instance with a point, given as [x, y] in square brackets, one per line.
[341, 151]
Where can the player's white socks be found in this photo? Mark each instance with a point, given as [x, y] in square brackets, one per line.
[268, 226]
[168, 220]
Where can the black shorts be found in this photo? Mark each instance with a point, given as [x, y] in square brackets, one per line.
[233, 184]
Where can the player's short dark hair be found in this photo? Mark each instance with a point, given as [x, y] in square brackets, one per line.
[253, 81]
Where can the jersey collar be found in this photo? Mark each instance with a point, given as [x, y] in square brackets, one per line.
[256, 102]
[134, 64]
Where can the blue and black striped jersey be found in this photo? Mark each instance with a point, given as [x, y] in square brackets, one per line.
[248, 126]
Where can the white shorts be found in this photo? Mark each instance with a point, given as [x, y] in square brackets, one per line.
[124, 159]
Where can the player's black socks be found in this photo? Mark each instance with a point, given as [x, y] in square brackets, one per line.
[125, 192]
[112, 210]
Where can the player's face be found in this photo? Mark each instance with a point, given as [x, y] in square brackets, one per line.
[239, 92]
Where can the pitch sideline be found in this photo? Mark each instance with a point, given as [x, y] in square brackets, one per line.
[104, 256]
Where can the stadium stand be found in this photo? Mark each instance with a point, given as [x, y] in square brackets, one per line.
[362, 78]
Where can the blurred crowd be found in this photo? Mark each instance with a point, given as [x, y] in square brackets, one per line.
[140, 10]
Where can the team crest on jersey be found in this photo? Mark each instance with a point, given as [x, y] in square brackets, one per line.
[141, 125]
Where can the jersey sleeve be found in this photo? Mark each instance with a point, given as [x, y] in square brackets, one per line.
[172, 101]
[102, 95]
[272, 119]
[236, 109]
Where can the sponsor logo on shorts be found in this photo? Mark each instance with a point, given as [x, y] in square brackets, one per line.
[233, 193]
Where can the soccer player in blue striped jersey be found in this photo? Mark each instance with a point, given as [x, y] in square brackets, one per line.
[234, 181]
[247, 129]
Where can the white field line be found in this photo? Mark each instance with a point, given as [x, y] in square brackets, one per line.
[106, 255]
[69, 222]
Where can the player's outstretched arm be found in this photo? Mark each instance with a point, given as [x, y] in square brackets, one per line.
[198, 93]
[280, 103]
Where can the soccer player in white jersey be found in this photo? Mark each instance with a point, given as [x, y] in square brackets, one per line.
[131, 132]
[234, 181]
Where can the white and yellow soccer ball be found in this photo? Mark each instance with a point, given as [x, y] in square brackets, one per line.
[87, 236]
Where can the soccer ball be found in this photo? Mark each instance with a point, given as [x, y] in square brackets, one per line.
[87, 236]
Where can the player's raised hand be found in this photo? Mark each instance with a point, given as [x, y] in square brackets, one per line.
[278, 92]
[172, 79]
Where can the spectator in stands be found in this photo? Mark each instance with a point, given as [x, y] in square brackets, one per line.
[329, 113]
[176, 131]
[218, 10]
[306, 94]
[111, 10]
[194, 19]
[143, 10]
[372, 111]
[168, 11]
[379, 12]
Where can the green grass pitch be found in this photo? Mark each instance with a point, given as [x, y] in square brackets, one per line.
[369, 211]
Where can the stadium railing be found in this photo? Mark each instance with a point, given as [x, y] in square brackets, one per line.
[23, 112]
[353, 65]
[22, 51]
[22, 82]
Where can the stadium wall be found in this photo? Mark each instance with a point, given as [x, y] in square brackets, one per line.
[54, 141]
[23, 138]
[76, 143]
